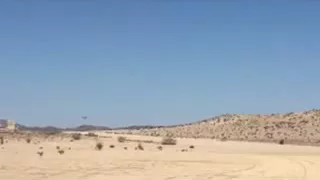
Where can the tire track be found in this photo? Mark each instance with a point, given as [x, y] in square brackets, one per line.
[224, 174]
[302, 166]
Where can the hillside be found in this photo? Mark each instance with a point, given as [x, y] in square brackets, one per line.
[301, 128]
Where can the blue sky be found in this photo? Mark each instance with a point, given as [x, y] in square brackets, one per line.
[155, 62]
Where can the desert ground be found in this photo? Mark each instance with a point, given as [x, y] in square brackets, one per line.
[209, 159]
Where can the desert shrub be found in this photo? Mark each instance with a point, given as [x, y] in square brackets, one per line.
[76, 136]
[224, 139]
[57, 147]
[61, 151]
[91, 134]
[184, 150]
[121, 139]
[1, 140]
[140, 147]
[28, 140]
[51, 133]
[168, 141]
[140, 141]
[281, 142]
[40, 153]
[191, 146]
[99, 146]
[40, 147]
[69, 148]
[111, 146]
[160, 148]
[125, 148]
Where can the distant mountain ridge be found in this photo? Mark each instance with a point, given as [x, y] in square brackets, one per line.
[58, 129]
[84, 127]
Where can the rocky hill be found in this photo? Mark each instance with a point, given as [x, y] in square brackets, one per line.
[301, 128]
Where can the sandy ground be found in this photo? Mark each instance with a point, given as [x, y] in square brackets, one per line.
[208, 160]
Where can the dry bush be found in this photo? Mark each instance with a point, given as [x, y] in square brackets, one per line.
[224, 139]
[281, 142]
[111, 146]
[191, 146]
[121, 139]
[168, 141]
[140, 147]
[160, 148]
[69, 148]
[184, 150]
[99, 146]
[76, 136]
[1, 140]
[40, 147]
[57, 147]
[125, 148]
[28, 140]
[91, 134]
[40, 153]
[140, 141]
[61, 152]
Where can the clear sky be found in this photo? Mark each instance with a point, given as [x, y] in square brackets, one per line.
[155, 62]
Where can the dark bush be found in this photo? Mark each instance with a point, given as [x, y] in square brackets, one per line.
[1, 140]
[91, 134]
[281, 142]
[76, 136]
[40, 153]
[168, 141]
[224, 139]
[61, 152]
[121, 139]
[99, 146]
[140, 147]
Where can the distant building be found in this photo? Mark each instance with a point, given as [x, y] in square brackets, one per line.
[7, 125]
